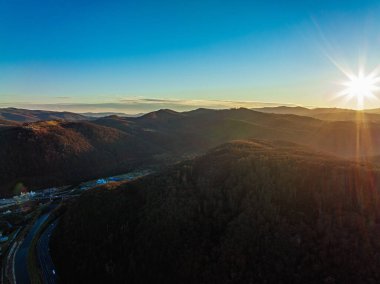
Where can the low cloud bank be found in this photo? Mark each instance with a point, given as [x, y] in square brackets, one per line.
[135, 106]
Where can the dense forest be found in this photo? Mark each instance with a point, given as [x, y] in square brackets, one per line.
[53, 153]
[61, 152]
[245, 212]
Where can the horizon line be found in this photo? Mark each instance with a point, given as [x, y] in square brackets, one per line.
[143, 106]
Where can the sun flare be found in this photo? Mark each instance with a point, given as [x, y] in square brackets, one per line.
[360, 87]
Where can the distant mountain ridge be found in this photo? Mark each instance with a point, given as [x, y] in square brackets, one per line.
[104, 114]
[25, 115]
[331, 114]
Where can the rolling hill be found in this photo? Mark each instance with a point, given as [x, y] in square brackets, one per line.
[25, 115]
[51, 153]
[245, 212]
[203, 129]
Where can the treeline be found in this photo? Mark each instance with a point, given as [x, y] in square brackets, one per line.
[247, 212]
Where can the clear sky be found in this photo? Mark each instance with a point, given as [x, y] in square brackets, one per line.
[93, 55]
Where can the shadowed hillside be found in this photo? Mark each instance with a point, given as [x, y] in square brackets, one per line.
[246, 212]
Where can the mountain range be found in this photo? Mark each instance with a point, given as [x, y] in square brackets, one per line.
[56, 152]
[332, 114]
[236, 195]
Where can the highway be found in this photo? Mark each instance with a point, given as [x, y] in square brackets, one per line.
[21, 256]
[43, 253]
[16, 268]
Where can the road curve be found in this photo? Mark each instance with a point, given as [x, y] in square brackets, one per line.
[21, 255]
[43, 254]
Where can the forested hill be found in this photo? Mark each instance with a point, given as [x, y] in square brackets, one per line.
[203, 129]
[57, 152]
[246, 212]
[50, 153]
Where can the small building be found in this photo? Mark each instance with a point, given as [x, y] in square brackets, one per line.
[3, 239]
[101, 181]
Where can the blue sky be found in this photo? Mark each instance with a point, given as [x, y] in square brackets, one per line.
[69, 52]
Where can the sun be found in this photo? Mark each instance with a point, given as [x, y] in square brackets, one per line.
[360, 87]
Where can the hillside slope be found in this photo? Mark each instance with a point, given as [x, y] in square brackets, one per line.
[7, 123]
[26, 115]
[246, 212]
[55, 153]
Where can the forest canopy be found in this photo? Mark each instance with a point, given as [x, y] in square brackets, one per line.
[245, 212]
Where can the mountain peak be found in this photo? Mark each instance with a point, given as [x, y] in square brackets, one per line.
[161, 114]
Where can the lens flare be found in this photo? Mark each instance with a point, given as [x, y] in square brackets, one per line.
[360, 87]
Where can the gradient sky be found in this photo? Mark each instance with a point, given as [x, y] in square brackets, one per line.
[74, 52]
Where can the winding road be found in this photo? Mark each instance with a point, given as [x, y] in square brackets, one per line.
[43, 253]
[21, 259]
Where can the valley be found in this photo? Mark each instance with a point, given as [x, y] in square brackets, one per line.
[197, 182]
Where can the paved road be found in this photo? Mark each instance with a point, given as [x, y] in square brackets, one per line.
[43, 253]
[21, 257]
